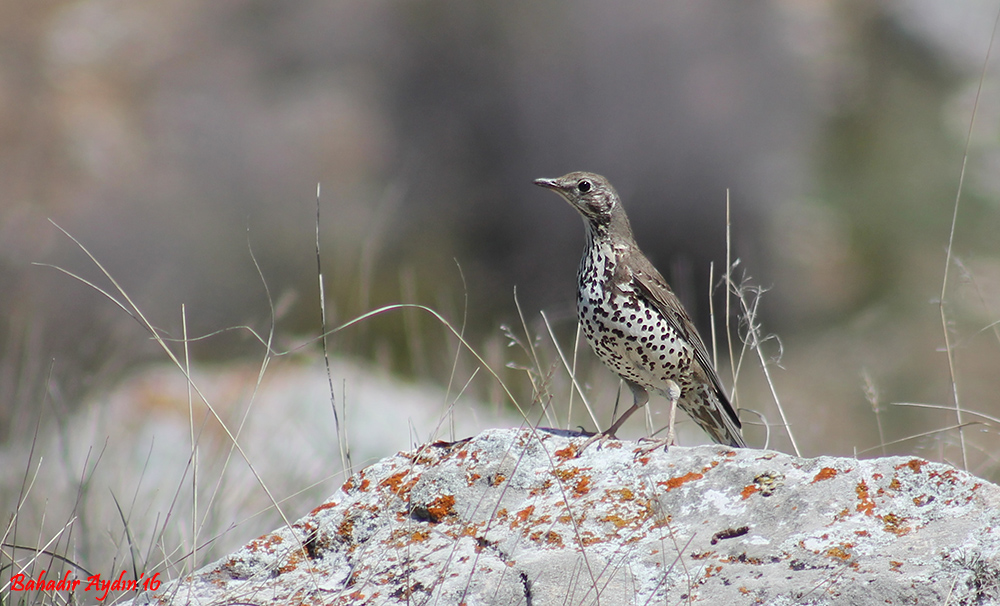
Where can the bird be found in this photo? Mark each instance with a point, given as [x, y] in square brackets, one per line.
[635, 323]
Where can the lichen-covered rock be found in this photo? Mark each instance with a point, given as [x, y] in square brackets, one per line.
[516, 517]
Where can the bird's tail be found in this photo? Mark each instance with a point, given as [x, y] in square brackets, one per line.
[713, 413]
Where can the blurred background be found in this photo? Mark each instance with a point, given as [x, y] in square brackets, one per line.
[180, 141]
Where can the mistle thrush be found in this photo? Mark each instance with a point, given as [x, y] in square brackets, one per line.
[634, 322]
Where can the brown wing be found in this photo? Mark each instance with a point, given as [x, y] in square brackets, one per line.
[649, 281]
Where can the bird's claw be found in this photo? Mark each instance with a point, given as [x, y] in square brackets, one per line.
[600, 438]
[655, 443]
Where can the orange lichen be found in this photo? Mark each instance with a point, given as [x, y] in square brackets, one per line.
[348, 485]
[748, 490]
[711, 571]
[441, 507]
[291, 563]
[346, 527]
[522, 516]
[622, 494]
[914, 464]
[565, 454]
[615, 519]
[895, 524]
[840, 552]
[662, 522]
[950, 476]
[266, 542]
[420, 536]
[866, 505]
[469, 531]
[566, 473]
[544, 487]
[825, 474]
[395, 483]
[324, 506]
[679, 481]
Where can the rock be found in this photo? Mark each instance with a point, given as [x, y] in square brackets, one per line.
[514, 517]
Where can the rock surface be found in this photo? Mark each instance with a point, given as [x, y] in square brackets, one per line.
[515, 517]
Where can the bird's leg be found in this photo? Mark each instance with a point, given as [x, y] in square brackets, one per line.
[672, 393]
[639, 398]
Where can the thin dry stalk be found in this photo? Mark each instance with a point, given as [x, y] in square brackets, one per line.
[375, 239]
[940, 407]
[756, 342]
[968, 275]
[951, 242]
[411, 327]
[540, 386]
[871, 394]
[129, 306]
[194, 444]
[677, 547]
[571, 370]
[711, 313]
[916, 436]
[345, 455]
[729, 292]
[458, 350]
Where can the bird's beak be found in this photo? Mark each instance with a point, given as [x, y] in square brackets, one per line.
[548, 183]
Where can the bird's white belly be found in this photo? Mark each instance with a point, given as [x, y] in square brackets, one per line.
[632, 338]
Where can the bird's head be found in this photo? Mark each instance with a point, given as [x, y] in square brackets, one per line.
[591, 195]
[594, 198]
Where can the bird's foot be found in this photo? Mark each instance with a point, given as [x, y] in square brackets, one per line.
[673, 394]
[655, 444]
[601, 438]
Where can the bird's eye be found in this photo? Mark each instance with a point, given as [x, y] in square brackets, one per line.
[583, 186]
